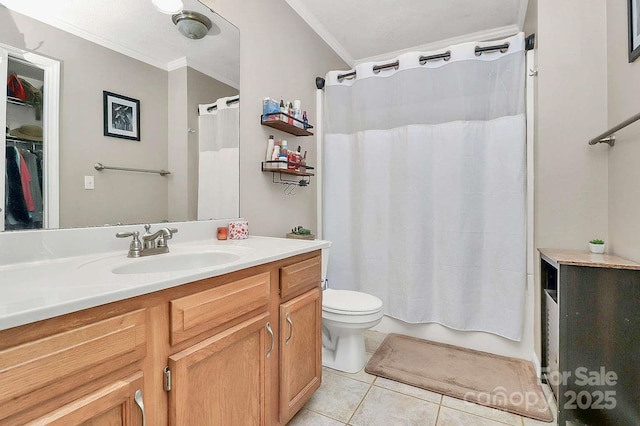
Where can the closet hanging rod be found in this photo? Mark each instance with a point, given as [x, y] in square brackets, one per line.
[608, 136]
[100, 166]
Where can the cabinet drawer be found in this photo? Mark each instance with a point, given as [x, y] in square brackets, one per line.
[36, 369]
[197, 313]
[300, 276]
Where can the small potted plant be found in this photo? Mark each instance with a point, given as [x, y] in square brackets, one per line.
[596, 246]
[301, 233]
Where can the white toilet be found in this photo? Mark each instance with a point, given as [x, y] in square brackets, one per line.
[345, 316]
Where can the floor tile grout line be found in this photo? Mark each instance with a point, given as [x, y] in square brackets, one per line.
[412, 396]
[361, 401]
[325, 415]
[481, 416]
[438, 415]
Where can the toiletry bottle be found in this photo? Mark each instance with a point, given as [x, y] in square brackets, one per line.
[270, 146]
[275, 156]
[283, 148]
[283, 111]
[283, 161]
[297, 114]
[304, 120]
[290, 112]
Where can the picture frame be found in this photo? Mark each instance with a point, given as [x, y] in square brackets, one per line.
[121, 116]
[634, 30]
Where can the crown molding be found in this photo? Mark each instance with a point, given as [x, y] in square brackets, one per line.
[320, 29]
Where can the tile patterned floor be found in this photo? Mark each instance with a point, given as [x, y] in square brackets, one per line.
[361, 399]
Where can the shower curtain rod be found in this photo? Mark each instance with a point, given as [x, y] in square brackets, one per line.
[423, 59]
[229, 102]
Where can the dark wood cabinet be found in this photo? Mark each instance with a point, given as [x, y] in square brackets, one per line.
[598, 331]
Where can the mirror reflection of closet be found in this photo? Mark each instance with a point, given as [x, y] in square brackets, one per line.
[29, 115]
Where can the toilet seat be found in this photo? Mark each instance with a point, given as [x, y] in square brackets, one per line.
[347, 302]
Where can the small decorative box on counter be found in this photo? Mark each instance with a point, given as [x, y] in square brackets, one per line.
[238, 230]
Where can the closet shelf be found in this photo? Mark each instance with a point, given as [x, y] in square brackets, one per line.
[10, 138]
[275, 120]
[18, 101]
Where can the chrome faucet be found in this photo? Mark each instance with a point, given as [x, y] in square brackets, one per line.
[154, 243]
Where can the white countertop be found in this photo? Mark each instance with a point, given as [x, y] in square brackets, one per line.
[38, 290]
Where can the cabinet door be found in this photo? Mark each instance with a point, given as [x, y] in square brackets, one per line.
[222, 380]
[300, 351]
[119, 403]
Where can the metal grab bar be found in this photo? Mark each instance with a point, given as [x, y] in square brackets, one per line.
[100, 166]
[608, 136]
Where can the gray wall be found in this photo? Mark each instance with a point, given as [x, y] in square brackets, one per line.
[624, 173]
[275, 68]
[571, 188]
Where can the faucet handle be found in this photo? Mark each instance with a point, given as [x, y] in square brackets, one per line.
[136, 246]
[167, 234]
[133, 234]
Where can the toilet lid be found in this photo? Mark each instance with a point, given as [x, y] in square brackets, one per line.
[350, 302]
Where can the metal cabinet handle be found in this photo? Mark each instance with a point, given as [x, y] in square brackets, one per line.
[137, 396]
[268, 326]
[288, 318]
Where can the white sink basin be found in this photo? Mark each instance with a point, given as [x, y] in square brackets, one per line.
[175, 262]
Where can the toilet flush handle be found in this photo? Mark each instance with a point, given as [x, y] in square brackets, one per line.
[288, 318]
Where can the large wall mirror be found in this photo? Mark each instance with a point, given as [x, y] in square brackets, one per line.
[79, 74]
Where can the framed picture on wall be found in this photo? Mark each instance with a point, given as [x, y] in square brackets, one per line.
[121, 116]
[634, 30]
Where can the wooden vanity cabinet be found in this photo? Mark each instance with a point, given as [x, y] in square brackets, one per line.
[73, 369]
[300, 369]
[117, 404]
[226, 342]
[228, 369]
[300, 351]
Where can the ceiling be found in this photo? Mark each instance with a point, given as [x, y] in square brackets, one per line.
[366, 30]
[143, 33]
[358, 30]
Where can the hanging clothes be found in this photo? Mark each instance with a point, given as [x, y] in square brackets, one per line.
[35, 186]
[16, 205]
[25, 179]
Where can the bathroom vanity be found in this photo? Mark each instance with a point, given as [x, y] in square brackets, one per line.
[233, 344]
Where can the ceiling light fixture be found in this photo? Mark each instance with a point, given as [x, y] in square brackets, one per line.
[192, 25]
[169, 7]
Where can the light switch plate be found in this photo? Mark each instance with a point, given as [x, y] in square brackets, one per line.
[88, 182]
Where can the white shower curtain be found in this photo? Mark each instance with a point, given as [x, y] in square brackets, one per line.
[424, 187]
[218, 158]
